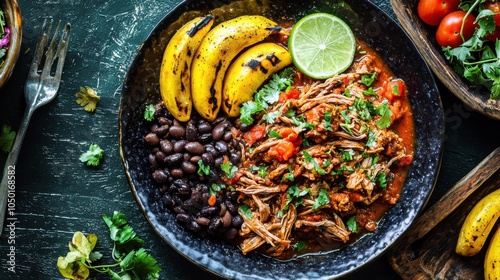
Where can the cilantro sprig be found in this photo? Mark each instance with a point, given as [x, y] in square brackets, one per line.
[131, 261]
[267, 95]
[93, 156]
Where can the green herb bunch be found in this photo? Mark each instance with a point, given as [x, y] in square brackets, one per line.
[478, 59]
[130, 260]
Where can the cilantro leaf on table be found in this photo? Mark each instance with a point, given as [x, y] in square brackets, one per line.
[7, 137]
[131, 261]
[87, 98]
[93, 156]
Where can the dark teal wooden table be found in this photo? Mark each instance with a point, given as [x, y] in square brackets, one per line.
[57, 195]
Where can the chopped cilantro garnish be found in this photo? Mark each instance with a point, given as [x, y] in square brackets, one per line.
[328, 121]
[299, 246]
[229, 169]
[203, 169]
[246, 211]
[322, 199]
[352, 225]
[275, 134]
[309, 159]
[267, 95]
[149, 112]
[385, 115]
[368, 79]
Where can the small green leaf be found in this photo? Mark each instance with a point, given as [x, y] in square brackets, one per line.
[149, 112]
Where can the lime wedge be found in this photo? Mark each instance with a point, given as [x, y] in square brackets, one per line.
[321, 45]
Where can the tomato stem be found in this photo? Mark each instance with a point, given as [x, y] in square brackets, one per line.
[469, 11]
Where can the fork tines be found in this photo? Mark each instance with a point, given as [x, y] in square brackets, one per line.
[52, 53]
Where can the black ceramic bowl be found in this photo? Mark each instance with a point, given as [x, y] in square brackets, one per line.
[370, 24]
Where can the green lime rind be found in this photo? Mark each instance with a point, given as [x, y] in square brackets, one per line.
[321, 45]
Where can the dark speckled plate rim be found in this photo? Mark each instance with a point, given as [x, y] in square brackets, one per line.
[227, 261]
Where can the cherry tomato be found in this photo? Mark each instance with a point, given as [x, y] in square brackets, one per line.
[433, 11]
[493, 36]
[494, 6]
[448, 32]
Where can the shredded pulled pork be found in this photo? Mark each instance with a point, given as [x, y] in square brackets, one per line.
[328, 152]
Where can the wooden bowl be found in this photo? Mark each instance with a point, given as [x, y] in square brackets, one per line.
[13, 20]
[423, 36]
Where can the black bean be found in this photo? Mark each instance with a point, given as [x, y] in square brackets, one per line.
[164, 121]
[154, 127]
[235, 158]
[221, 147]
[226, 219]
[191, 134]
[177, 173]
[185, 218]
[228, 136]
[231, 207]
[177, 131]
[179, 210]
[152, 139]
[208, 159]
[219, 161]
[213, 176]
[174, 159]
[205, 138]
[160, 156]
[166, 146]
[195, 159]
[188, 167]
[209, 148]
[202, 221]
[215, 225]
[218, 132]
[237, 221]
[195, 148]
[179, 146]
[193, 226]
[161, 176]
[162, 130]
[208, 211]
[231, 234]
[168, 201]
[204, 127]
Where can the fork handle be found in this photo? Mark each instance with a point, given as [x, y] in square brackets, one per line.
[9, 172]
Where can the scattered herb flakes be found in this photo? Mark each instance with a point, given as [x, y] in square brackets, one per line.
[7, 137]
[131, 260]
[244, 210]
[229, 169]
[149, 112]
[87, 98]
[299, 246]
[93, 156]
[322, 199]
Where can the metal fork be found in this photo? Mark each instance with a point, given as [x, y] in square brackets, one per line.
[41, 87]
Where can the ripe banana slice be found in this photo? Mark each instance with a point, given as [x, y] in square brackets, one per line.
[249, 71]
[492, 258]
[217, 50]
[478, 224]
[175, 71]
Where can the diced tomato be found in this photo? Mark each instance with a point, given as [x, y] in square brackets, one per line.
[395, 90]
[287, 95]
[283, 151]
[289, 134]
[212, 200]
[254, 134]
[314, 115]
[314, 218]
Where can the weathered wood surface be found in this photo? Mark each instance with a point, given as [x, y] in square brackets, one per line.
[427, 250]
[57, 195]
